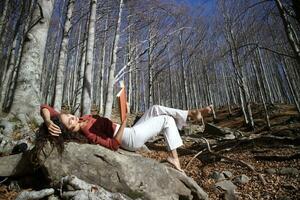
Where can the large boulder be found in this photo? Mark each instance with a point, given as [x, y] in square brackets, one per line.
[128, 173]
[15, 165]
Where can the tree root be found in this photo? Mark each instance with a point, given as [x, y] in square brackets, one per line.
[277, 158]
[85, 190]
[26, 195]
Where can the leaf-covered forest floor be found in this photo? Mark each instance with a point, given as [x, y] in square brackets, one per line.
[281, 173]
[284, 183]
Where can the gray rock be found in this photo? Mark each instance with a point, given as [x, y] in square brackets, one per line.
[227, 174]
[214, 130]
[242, 179]
[144, 148]
[288, 171]
[132, 175]
[6, 127]
[14, 186]
[230, 136]
[7, 145]
[217, 176]
[15, 165]
[217, 131]
[230, 195]
[226, 185]
[270, 171]
[53, 197]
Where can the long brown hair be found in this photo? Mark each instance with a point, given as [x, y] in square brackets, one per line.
[43, 137]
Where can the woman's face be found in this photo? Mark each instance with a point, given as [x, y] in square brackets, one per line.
[71, 122]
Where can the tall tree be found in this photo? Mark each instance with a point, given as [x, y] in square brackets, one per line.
[63, 57]
[289, 30]
[87, 82]
[27, 97]
[111, 78]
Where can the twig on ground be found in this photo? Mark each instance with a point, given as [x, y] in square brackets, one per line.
[3, 180]
[240, 162]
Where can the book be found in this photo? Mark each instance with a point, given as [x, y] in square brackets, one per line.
[122, 100]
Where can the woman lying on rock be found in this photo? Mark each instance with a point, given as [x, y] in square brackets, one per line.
[99, 130]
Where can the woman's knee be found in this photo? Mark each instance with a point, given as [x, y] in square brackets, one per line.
[154, 107]
[169, 121]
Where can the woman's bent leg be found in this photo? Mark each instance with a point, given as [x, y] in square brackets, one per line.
[139, 134]
[180, 116]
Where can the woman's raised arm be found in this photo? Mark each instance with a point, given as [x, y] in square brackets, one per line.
[46, 115]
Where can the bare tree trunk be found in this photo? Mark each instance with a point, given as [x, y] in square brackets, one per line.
[102, 68]
[3, 29]
[129, 95]
[50, 78]
[170, 78]
[294, 97]
[150, 72]
[267, 89]
[210, 98]
[226, 91]
[261, 94]
[13, 55]
[26, 91]
[137, 90]
[2, 19]
[111, 78]
[87, 82]
[58, 98]
[79, 88]
[74, 76]
[289, 30]
[184, 77]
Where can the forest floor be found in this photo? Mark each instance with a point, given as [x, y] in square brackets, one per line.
[279, 185]
[282, 178]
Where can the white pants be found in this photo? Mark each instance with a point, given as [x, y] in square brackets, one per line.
[157, 119]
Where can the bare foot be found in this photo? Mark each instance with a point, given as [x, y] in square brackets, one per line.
[197, 115]
[175, 163]
[207, 110]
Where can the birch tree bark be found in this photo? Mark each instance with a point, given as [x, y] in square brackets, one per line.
[184, 76]
[102, 68]
[261, 95]
[87, 82]
[226, 91]
[267, 88]
[2, 19]
[27, 97]
[10, 68]
[294, 96]
[63, 57]
[289, 30]
[79, 83]
[150, 70]
[3, 27]
[170, 78]
[111, 78]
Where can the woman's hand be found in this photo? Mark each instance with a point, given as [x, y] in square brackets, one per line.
[53, 128]
[125, 120]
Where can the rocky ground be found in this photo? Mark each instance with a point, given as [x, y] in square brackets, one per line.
[282, 178]
[234, 169]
